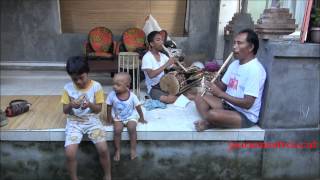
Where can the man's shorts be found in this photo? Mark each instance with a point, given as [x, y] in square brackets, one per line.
[156, 92]
[76, 129]
[245, 122]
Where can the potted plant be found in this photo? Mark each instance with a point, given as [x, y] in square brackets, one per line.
[315, 25]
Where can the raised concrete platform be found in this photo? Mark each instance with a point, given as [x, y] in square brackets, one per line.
[172, 123]
[250, 134]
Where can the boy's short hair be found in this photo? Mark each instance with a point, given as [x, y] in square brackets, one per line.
[151, 36]
[77, 65]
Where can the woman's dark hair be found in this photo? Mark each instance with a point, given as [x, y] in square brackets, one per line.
[252, 38]
[77, 65]
[151, 36]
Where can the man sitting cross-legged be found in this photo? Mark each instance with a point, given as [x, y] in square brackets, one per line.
[235, 101]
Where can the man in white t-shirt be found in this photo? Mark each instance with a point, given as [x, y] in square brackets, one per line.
[153, 65]
[235, 101]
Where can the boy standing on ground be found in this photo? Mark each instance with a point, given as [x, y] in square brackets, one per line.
[82, 102]
[126, 111]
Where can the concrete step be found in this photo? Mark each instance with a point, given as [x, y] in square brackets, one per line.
[23, 65]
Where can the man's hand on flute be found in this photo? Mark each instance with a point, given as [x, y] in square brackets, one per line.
[213, 89]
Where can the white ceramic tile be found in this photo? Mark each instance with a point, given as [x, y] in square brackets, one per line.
[171, 119]
[142, 127]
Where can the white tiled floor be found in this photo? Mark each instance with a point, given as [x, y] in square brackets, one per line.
[172, 123]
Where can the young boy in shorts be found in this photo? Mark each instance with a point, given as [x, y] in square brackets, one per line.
[126, 111]
[82, 102]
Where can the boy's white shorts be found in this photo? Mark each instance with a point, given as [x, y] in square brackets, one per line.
[76, 129]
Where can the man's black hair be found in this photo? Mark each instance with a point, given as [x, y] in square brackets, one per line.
[252, 38]
[151, 36]
[77, 65]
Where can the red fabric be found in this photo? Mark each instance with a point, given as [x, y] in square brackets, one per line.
[133, 38]
[100, 39]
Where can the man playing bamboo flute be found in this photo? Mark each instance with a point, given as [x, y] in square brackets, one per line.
[235, 101]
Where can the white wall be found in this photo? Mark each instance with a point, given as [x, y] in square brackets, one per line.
[227, 10]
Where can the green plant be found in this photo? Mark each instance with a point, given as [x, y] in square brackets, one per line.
[315, 17]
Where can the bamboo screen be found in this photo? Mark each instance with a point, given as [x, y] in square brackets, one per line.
[80, 16]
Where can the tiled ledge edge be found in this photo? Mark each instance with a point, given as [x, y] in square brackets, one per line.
[210, 135]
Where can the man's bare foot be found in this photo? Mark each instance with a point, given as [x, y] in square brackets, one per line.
[201, 125]
[116, 156]
[133, 154]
